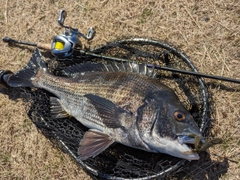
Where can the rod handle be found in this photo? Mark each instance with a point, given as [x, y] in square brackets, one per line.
[44, 46]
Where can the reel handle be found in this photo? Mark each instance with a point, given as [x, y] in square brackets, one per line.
[62, 17]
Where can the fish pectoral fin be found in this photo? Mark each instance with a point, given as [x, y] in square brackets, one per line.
[111, 113]
[93, 143]
[57, 110]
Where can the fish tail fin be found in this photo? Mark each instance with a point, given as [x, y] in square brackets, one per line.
[24, 77]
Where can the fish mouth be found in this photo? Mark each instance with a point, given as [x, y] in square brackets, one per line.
[188, 140]
[191, 144]
[189, 154]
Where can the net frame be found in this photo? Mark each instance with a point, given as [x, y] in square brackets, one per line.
[137, 50]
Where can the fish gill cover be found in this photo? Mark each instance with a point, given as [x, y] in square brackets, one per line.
[120, 161]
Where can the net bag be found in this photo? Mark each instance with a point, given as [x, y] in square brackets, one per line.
[119, 161]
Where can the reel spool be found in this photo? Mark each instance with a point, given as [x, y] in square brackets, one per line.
[121, 162]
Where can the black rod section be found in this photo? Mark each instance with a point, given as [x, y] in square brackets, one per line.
[168, 68]
[195, 73]
[10, 40]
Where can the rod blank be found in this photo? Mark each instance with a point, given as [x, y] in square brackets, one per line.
[48, 46]
[168, 68]
[196, 74]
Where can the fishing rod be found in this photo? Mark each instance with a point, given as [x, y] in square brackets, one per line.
[39, 45]
[167, 68]
[65, 44]
[47, 47]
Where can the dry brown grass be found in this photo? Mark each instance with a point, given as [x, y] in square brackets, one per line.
[208, 32]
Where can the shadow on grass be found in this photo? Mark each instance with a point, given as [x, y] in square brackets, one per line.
[214, 85]
[204, 169]
[13, 93]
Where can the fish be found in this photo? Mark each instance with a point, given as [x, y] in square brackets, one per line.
[118, 103]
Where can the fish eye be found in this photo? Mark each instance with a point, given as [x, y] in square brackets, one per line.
[179, 116]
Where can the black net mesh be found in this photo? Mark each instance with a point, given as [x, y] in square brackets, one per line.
[120, 161]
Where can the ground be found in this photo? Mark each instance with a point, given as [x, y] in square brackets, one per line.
[207, 31]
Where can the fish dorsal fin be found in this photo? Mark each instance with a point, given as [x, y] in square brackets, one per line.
[151, 71]
[82, 68]
[134, 67]
[110, 113]
[113, 66]
[93, 143]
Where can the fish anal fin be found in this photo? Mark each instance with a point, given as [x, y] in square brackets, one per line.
[93, 143]
[57, 110]
[111, 113]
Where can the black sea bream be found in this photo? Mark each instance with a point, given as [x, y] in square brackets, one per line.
[118, 103]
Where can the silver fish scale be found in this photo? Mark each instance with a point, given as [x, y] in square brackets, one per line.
[74, 103]
[124, 89]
